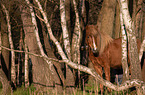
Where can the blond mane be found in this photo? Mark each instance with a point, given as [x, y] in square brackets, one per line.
[105, 40]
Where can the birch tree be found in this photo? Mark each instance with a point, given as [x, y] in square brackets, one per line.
[5, 42]
[39, 64]
[45, 73]
[70, 82]
[6, 88]
[133, 53]
[132, 41]
[76, 38]
[13, 70]
[64, 28]
[124, 50]
[26, 67]
[125, 85]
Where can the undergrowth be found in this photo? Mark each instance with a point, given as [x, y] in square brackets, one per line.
[88, 89]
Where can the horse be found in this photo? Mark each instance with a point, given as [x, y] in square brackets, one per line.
[104, 51]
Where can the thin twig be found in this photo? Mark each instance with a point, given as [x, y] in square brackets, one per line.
[30, 53]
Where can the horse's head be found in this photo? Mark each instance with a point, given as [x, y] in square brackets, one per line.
[93, 39]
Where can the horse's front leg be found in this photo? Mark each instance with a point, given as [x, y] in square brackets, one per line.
[98, 69]
[107, 74]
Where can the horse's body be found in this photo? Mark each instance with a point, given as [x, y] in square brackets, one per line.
[108, 50]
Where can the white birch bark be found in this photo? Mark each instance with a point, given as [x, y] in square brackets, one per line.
[76, 40]
[127, 84]
[70, 82]
[65, 29]
[13, 69]
[124, 86]
[54, 76]
[124, 50]
[133, 51]
[60, 50]
[131, 37]
[37, 36]
[26, 67]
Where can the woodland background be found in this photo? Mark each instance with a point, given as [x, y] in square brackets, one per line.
[31, 55]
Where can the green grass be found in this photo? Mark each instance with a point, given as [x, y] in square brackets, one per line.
[24, 91]
[89, 89]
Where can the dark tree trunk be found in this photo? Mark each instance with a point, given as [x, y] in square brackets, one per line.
[106, 16]
[5, 53]
[42, 77]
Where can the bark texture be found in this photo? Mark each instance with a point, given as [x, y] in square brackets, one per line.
[5, 53]
[6, 87]
[42, 76]
[133, 53]
[70, 82]
[106, 16]
[13, 69]
[124, 50]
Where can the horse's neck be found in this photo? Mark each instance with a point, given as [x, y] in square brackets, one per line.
[105, 40]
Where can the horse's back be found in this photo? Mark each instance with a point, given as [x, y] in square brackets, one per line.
[115, 52]
[111, 55]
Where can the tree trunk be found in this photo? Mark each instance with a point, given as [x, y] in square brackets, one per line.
[26, 66]
[143, 71]
[143, 28]
[13, 69]
[50, 54]
[106, 16]
[124, 50]
[116, 32]
[42, 76]
[70, 82]
[6, 88]
[5, 53]
[138, 17]
[133, 51]
[67, 13]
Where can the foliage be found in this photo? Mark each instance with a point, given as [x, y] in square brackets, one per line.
[89, 89]
[24, 91]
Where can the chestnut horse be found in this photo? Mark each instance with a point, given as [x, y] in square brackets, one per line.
[103, 51]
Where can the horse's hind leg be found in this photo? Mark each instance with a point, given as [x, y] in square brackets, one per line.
[107, 75]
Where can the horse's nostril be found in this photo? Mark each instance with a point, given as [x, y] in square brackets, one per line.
[95, 51]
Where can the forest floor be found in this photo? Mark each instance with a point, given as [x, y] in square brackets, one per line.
[89, 89]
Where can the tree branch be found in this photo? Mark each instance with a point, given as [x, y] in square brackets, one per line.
[85, 69]
[37, 55]
[125, 85]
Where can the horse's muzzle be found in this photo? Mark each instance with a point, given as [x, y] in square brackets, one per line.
[95, 52]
